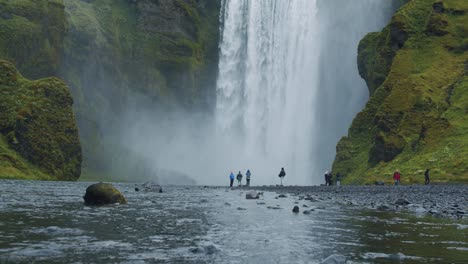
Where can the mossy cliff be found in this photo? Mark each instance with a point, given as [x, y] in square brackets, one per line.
[31, 35]
[113, 53]
[119, 52]
[416, 118]
[38, 132]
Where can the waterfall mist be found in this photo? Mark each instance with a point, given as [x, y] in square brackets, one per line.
[288, 88]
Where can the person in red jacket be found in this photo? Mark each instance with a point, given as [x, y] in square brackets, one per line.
[397, 177]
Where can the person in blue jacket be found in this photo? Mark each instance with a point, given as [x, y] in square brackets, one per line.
[231, 178]
[247, 174]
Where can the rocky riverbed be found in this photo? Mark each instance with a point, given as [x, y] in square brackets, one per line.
[444, 201]
[48, 222]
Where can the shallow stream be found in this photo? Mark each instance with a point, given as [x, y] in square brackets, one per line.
[47, 222]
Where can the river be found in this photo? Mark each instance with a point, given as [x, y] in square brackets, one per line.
[47, 222]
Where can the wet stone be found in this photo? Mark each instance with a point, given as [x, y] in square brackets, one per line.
[274, 207]
[334, 259]
[252, 195]
[383, 207]
[402, 201]
[295, 209]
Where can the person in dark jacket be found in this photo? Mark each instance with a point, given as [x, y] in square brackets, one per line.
[247, 177]
[426, 177]
[338, 179]
[281, 175]
[330, 179]
[239, 178]
[326, 178]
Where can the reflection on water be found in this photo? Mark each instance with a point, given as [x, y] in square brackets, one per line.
[47, 222]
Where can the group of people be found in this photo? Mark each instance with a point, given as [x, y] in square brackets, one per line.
[239, 177]
[397, 177]
[329, 179]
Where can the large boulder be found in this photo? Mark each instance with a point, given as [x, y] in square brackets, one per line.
[103, 193]
[252, 195]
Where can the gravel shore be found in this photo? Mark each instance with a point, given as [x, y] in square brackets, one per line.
[444, 201]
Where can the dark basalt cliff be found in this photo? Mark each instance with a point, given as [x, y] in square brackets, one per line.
[416, 117]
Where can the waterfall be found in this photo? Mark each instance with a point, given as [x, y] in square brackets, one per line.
[277, 100]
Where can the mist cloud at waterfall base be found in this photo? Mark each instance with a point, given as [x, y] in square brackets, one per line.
[177, 142]
[288, 89]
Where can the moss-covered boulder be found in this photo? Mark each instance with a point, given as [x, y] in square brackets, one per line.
[416, 118]
[103, 193]
[38, 132]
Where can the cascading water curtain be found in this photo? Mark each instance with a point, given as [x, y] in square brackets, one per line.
[268, 79]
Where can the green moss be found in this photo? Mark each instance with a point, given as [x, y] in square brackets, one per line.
[107, 50]
[39, 133]
[415, 119]
[103, 193]
[31, 35]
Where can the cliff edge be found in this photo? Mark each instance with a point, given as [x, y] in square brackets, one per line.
[416, 117]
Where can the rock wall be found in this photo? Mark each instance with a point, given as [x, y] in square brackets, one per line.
[115, 55]
[416, 118]
[38, 132]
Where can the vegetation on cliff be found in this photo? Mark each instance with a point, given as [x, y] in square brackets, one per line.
[112, 53]
[31, 35]
[416, 117]
[38, 132]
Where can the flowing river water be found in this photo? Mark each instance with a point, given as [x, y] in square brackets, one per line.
[47, 222]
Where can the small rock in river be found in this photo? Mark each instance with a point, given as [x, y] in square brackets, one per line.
[334, 259]
[252, 195]
[383, 207]
[295, 209]
[208, 250]
[274, 207]
[241, 209]
[402, 201]
[282, 196]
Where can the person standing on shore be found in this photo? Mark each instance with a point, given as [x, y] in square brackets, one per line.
[330, 179]
[338, 179]
[397, 177]
[326, 178]
[426, 177]
[239, 178]
[231, 179]
[282, 174]
[247, 177]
